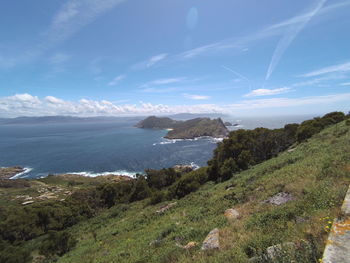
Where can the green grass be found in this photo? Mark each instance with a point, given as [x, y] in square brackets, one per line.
[316, 173]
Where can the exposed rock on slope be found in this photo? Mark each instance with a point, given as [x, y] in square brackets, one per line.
[8, 172]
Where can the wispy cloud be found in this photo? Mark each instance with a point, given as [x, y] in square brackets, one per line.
[195, 97]
[152, 61]
[293, 30]
[68, 20]
[288, 102]
[166, 81]
[345, 84]
[208, 49]
[340, 68]
[74, 15]
[267, 92]
[116, 80]
[155, 59]
[238, 75]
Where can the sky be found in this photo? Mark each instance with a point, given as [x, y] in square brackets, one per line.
[128, 57]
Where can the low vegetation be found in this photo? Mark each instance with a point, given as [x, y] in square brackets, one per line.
[151, 218]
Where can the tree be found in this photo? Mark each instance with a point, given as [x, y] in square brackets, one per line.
[57, 243]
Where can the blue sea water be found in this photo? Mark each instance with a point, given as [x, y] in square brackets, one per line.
[94, 147]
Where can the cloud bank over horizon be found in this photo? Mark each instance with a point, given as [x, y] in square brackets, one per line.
[29, 105]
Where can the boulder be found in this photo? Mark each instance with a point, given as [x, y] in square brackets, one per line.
[231, 214]
[280, 198]
[212, 240]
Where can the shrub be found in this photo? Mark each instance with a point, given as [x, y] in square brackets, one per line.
[11, 254]
[57, 243]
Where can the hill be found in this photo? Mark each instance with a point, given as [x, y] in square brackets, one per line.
[287, 195]
[189, 129]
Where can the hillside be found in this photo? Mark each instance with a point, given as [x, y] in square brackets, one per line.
[316, 174]
[290, 198]
[189, 129]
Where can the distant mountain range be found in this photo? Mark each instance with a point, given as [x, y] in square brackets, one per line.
[71, 119]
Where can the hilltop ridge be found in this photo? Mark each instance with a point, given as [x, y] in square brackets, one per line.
[189, 129]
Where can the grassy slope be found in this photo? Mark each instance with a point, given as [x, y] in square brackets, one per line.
[316, 173]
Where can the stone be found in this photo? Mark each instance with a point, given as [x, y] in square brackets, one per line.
[212, 240]
[165, 208]
[27, 203]
[274, 251]
[280, 198]
[231, 214]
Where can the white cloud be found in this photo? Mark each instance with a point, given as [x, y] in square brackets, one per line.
[340, 68]
[166, 81]
[290, 34]
[116, 80]
[267, 92]
[195, 97]
[28, 105]
[155, 59]
[345, 84]
[288, 102]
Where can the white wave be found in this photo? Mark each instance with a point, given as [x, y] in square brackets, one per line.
[194, 166]
[118, 172]
[25, 170]
[171, 141]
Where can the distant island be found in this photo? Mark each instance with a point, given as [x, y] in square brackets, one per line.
[189, 129]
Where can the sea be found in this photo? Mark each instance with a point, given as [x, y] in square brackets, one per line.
[96, 146]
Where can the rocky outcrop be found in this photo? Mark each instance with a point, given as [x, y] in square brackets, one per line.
[338, 244]
[280, 198]
[8, 172]
[212, 240]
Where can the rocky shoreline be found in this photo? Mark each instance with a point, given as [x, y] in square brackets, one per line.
[9, 172]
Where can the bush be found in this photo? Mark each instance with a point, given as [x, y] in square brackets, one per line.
[57, 243]
[11, 254]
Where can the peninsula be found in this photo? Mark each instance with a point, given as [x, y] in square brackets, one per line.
[189, 129]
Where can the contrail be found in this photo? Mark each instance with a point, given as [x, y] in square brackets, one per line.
[290, 35]
[239, 75]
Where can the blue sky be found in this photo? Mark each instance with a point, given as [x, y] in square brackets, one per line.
[122, 57]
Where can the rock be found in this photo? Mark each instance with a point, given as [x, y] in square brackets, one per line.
[212, 240]
[231, 214]
[190, 245]
[280, 198]
[227, 123]
[27, 203]
[165, 208]
[274, 251]
[291, 150]
[8, 172]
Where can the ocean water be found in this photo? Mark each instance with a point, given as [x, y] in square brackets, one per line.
[98, 147]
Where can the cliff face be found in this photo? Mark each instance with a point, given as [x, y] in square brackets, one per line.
[186, 129]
